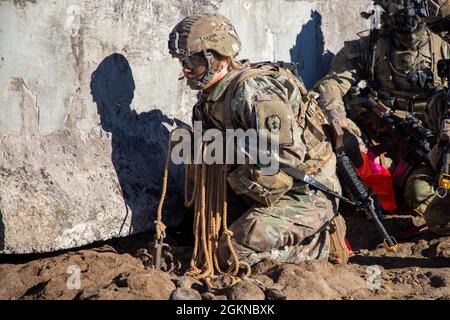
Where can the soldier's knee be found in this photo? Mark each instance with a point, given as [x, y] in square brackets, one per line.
[261, 234]
[419, 189]
[437, 216]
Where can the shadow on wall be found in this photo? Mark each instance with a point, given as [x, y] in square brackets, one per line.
[313, 62]
[2, 232]
[139, 147]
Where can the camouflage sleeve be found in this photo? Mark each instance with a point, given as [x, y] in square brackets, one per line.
[435, 108]
[346, 71]
[261, 103]
[434, 114]
[254, 91]
[247, 94]
[446, 55]
[197, 114]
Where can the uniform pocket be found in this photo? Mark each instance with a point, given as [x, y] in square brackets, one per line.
[267, 190]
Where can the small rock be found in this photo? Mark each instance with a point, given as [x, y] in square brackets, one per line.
[208, 296]
[185, 294]
[364, 252]
[403, 250]
[245, 290]
[211, 296]
[88, 293]
[300, 284]
[432, 242]
[275, 294]
[152, 284]
[443, 249]
[219, 282]
[264, 266]
[263, 281]
[121, 280]
[187, 283]
[417, 250]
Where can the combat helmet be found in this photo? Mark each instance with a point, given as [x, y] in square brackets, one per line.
[203, 33]
[404, 15]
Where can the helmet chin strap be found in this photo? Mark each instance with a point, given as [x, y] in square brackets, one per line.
[207, 76]
[210, 73]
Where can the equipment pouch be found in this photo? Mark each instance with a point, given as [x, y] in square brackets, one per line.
[248, 181]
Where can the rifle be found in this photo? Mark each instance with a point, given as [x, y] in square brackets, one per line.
[375, 34]
[444, 171]
[348, 177]
[353, 184]
[356, 189]
[405, 127]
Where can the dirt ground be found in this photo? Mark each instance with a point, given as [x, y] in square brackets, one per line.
[121, 269]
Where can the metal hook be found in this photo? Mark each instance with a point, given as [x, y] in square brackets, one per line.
[440, 190]
[157, 252]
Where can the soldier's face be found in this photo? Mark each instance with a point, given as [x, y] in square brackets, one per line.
[194, 68]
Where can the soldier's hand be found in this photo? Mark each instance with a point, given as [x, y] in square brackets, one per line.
[350, 126]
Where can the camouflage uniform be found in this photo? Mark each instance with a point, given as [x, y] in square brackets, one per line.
[437, 214]
[392, 64]
[439, 19]
[287, 221]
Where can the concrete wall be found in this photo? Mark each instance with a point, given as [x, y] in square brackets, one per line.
[86, 91]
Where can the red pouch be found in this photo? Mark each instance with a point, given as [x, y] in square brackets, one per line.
[379, 179]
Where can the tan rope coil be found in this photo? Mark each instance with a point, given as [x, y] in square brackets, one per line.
[209, 199]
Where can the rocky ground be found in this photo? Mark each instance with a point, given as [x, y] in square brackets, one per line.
[121, 269]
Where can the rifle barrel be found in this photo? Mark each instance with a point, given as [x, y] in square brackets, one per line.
[389, 242]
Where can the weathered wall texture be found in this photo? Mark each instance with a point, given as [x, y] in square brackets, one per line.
[86, 91]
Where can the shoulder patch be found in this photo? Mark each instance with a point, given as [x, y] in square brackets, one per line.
[273, 123]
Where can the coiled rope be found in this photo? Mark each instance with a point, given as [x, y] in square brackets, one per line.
[209, 200]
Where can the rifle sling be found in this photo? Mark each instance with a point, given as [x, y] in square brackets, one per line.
[301, 176]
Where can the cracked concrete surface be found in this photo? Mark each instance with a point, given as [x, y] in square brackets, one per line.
[87, 89]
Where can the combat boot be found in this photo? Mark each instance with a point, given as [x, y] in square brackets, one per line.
[338, 248]
[437, 216]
